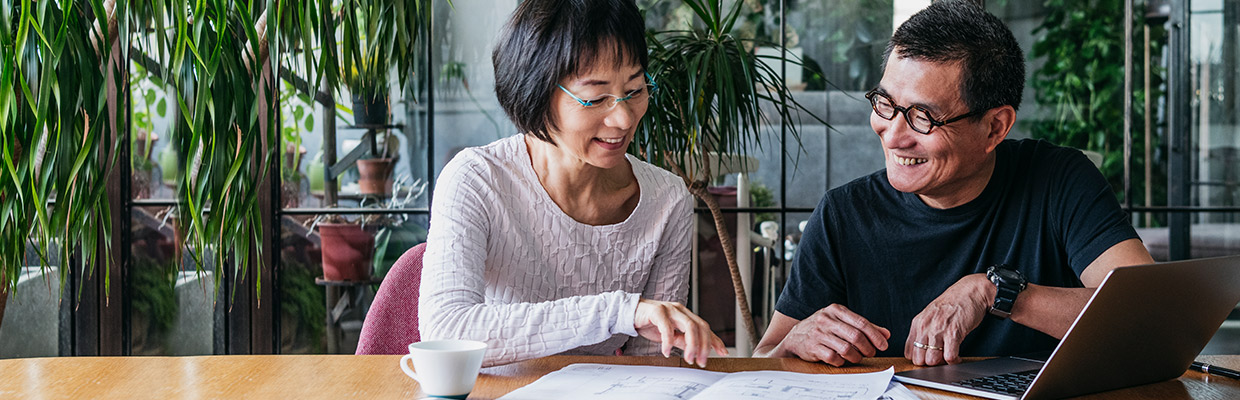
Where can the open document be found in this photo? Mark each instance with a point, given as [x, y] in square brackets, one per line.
[625, 382]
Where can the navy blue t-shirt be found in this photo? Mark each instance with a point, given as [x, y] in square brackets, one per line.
[885, 254]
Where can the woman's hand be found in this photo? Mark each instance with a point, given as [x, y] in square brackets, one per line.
[671, 324]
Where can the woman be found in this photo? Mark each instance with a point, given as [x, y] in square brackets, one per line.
[555, 240]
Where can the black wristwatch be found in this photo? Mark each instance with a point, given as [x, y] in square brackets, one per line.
[1010, 283]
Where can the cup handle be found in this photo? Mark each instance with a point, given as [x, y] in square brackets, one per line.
[404, 365]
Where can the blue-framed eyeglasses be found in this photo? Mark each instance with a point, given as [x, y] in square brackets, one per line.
[639, 95]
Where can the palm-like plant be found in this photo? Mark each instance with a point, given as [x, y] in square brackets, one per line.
[379, 35]
[709, 97]
[216, 59]
[59, 76]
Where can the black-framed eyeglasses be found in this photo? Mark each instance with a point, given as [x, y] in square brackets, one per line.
[917, 117]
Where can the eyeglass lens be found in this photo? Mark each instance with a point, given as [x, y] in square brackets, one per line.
[916, 117]
[609, 101]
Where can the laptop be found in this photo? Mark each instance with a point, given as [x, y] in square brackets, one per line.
[1144, 324]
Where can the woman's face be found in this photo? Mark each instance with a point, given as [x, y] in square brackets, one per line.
[599, 134]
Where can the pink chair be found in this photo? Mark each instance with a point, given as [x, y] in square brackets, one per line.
[392, 322]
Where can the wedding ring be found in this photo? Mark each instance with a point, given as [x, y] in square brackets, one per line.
[926, 346]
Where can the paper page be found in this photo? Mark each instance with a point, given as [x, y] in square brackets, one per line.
[896, 391]
[751, 385]
[619, 382]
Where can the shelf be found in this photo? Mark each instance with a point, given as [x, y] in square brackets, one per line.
[323, 282]
[343, 210]
[375, 126]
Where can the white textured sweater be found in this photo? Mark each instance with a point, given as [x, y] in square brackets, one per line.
[505, 265]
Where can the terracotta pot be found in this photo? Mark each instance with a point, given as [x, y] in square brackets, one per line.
[347, 252]
[376, 176]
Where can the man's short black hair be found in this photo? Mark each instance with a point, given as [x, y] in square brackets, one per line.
[992, 64]
[548, 40]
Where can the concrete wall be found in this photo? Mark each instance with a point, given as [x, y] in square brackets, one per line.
[31, 326]
[192, 334]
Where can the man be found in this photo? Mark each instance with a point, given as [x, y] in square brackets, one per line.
[896, 263]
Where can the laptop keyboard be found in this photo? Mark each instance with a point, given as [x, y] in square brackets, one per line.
[1013, 383]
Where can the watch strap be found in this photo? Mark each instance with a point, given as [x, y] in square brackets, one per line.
[1005, 298]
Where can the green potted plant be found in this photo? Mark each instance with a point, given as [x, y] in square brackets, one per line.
[347, 249]
[297, 113]
[59, 138]
[709, 102]
[144, 136]
[315, 173]
[379, 37]
[396, 233]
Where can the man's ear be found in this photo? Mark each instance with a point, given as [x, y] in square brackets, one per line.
[1001, 119]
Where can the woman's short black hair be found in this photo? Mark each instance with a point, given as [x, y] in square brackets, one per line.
[548, 40]
[993, 66]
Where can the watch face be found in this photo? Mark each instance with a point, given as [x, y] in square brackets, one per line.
[1007, 274]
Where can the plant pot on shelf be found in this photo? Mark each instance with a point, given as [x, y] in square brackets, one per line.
[315, 171]
[375, 176]
[140, 180]
[143, 168]
[293, 158]
[290, 182]
[169, 166]
[139, 143]
[347, 252]
[370, 110]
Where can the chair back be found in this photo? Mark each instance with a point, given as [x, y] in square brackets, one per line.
[392, 322]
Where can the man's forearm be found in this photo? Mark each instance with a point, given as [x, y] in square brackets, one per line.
[1048, 309]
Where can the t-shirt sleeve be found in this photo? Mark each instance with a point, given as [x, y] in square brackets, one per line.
[814, 281]
[1090, 219]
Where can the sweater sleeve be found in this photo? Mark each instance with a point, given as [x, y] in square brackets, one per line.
[452, 296]
[669, 276]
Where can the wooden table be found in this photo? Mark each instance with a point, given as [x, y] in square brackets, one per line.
[337, 376]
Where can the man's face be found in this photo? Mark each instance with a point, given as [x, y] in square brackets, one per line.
[947, 167]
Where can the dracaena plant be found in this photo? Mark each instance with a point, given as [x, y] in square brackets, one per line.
[380, 36]
[214, 56]
[59, 76]
[709, 99]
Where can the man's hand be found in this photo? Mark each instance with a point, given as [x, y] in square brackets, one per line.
[936, 332]
[834, 335]
[671, 324]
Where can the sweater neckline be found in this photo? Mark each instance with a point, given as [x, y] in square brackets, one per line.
[526, 165]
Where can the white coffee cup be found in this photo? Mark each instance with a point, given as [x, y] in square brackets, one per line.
[445, 368]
